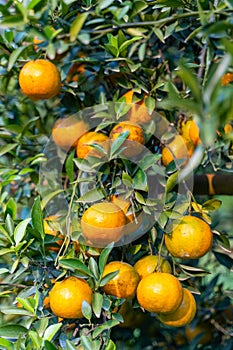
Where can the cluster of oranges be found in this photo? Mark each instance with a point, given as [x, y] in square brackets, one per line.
[150, 280]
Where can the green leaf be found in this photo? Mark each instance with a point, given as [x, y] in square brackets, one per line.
[191, 81]
[102, 4]
[15, 311]
[49, 346]
[97, 303]
[77, 25]
[89, 344]
[51, 331]
[108, 278]
[126, 44]
[224, 259]
[20, 230]
[12, 21]
[138, 7]
[4, 251]
[33, 3]
[69, 165]
[212, 204]
[172, 181]
[127, 180]
[193, 271]
[37, 217]
[93, 267]
[110, 345]
[11, 208]
[15, 56]
[48, 198]
[104, 257]
[107, 325]
[28, 303]
[12, 331]
[7, 148]
[91, 196]
[70, 346]
[140, 181]
[117, 143]
[86, 310]
[6, 344]
[75, 264]
[4, 231]
[150, 104]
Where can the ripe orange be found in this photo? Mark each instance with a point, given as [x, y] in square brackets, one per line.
[152, 263]
[50, 230]
[202, 330]
[39, 79]
[103, 223]
[184, 314]
[66, 131]
[159, 292]
[190, 131]
[177, 149]
[228, 128]
[84, 147]
[191, 238]
[138, 113]
[133, 220]
[227, 79]
[66, 297]
[125, 283]
[135, 140]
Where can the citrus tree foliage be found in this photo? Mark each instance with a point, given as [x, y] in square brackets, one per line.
[174, 52]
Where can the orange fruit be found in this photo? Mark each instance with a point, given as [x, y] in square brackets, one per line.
[202, 330]
[133, 219]
[125, 283]
[135, 140]
[191, 238]
[49, 229]
[190, 131]
[138, 113]
[103, 223]
[228, 128]
[151, 263]
[66, 132]
[39, 79]
[67, 296]
[159, 292]
[227, 79]
[184, 314]
[177, 149]
[84, 147]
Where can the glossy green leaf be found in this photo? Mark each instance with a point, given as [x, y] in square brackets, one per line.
[107, 325]
[75, 264]
[97, 303]
[91, 196]
[12, 331]
[86, 310]
[51, 331]
[20, 230]
[37, 217]
[104, 257]
[77, 25]
[7, 148]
